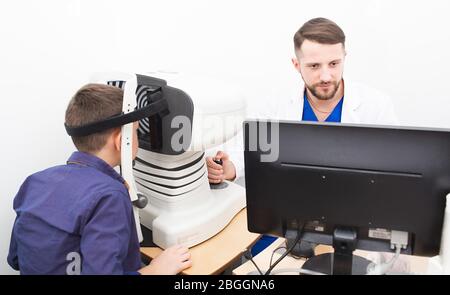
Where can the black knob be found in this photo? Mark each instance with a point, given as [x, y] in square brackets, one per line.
[141, 201]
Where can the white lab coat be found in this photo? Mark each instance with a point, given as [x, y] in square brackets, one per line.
[362, 105]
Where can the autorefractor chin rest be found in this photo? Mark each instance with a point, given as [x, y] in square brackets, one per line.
[170, 170]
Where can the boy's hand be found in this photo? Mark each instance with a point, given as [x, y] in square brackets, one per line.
[170, 262]
[218, 173]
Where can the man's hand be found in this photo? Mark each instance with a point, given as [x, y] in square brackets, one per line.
[218, 173]
[170, 262]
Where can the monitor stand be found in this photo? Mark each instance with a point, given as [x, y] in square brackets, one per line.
[342, 261]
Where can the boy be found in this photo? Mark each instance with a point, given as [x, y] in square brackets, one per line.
[78, 218]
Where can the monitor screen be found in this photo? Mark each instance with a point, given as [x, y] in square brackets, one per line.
[372, 179]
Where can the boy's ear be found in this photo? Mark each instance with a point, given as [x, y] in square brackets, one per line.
[117, 139]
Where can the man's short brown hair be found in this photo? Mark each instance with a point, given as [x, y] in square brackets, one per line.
[93, 102]
[320, 30]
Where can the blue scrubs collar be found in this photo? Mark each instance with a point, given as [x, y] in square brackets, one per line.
[309, 115]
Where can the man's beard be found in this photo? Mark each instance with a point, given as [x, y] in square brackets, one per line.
[324, 96]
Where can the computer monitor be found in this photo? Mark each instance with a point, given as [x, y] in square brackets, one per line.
[350, 186]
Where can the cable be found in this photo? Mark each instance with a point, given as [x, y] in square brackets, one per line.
[299, 233]
[383, 268]
[273, 252]
[249, 256]
[301, 271]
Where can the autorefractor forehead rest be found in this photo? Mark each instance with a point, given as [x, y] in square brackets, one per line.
[156, 131]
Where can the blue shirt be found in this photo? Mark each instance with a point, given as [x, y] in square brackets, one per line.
[309, 115]
[80, 209]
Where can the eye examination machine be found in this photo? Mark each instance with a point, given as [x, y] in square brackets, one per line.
[168, 180]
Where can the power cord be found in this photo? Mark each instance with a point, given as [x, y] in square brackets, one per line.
[248, 255]
[297, 239]
[273, 252]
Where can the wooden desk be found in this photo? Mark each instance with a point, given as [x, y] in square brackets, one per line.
[213, 256]
[291, 266]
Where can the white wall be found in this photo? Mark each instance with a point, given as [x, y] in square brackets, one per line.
[49, 48]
